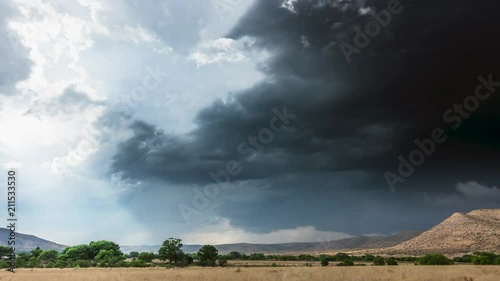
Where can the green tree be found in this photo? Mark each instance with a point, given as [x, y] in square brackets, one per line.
[234, 255]
[36, 252]
[171, 250]
[369, 257]
[483, 258]
[49, 256]
[108, 258]
[392, 261]
[341, 256]
[146, 257]
[134, 254]
[79, 252]
[208, 255]
[496, 261]
[434, 259]
[97, 246]
[22, 260]
[346, 262]
[378, 261]
[4, 251]
[324, 262]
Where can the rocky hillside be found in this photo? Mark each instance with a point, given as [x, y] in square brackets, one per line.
[461, 233]
[26, 242]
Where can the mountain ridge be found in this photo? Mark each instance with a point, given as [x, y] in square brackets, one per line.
[28, 242]
[476, 231]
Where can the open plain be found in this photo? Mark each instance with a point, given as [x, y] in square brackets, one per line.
[331, 273]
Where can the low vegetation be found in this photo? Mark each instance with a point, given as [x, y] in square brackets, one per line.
[170, 254]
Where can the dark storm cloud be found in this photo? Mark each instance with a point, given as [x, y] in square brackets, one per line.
[15, 64]
[356, 116]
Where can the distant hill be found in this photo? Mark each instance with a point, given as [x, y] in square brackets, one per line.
[461, 233]
[360, 242]
[26, 242]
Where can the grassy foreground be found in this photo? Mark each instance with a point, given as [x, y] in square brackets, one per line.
[368, 273]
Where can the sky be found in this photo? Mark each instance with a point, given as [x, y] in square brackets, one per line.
[260, 121]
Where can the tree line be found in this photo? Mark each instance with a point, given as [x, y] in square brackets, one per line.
[108, 254]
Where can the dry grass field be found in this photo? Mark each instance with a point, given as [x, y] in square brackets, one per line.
[365, 273]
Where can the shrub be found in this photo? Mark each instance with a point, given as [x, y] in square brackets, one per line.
[369, 257]
[346, 262]
[392, 261]
[222, 262]
[138, 263]
[434, 259]
[341, 256]
[483, 258]
[378, 261]
[324, 262]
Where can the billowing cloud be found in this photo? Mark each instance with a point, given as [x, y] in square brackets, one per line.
[16, 64]
[353, 112]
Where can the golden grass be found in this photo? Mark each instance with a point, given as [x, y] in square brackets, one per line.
[368, 273]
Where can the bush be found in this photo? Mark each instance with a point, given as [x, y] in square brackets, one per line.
[324, 262]
[81, 263]
[392, 261]
[378, 261]
[222, 262]
[138, 263]
[369, 258]
[341, 256]
[483, 258]
[346, 262]
[434, 259]
[4, 264]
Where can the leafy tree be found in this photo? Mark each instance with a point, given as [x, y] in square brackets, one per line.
[48, 256]
[346, 262]
[341, 256]
[22, 260]
[257, 257]
[146, 257]
[4, 251]
[234, 255]
[134, 254]
[36, 252]
[483, 258]
[392, 261]
[434, 259]
[81, 263]
[208, 255]
[464, 258]
[171, 250]
[137, 263]
[378, 261]
[108, 258]
[496, 261]
[369, 258]
[79, 252]
[96, 247]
